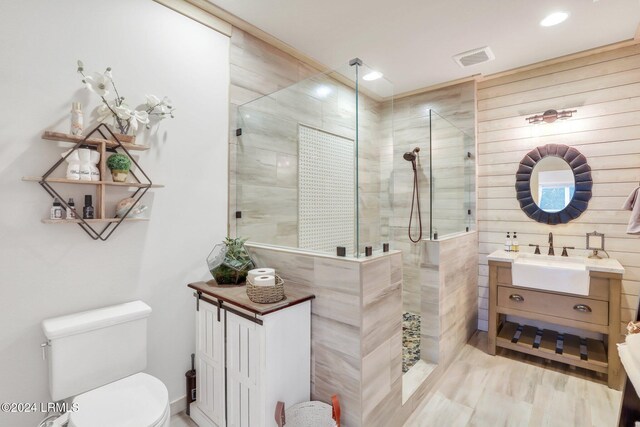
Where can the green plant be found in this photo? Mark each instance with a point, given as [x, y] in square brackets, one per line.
[236, 264]
[119, 162]
[237, 256]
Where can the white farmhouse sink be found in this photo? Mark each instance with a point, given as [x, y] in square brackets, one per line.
[551, 273]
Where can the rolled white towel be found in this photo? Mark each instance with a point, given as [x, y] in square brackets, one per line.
[630, 365]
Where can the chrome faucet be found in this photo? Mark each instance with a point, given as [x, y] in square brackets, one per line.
[551, 251]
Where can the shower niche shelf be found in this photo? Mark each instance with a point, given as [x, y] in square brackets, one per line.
[102, 139]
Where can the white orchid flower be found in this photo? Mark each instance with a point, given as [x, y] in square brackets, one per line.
[123, 112]
[153, 101]
[98, 83]
[138, 117]
[141, 116]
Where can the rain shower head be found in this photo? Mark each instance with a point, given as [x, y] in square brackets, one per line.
[410, 156]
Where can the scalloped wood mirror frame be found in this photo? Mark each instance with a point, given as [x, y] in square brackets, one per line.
[583, 184]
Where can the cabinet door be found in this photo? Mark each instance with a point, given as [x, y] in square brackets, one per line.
[244, 352]
[210, 367]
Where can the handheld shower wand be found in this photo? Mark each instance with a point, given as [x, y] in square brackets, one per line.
[412, 156]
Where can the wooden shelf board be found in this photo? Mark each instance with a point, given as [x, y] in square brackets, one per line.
[74, 139]
[595, 350]
[73, 181]
[90, 221]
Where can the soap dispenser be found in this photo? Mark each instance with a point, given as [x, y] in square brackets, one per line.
[507, 243]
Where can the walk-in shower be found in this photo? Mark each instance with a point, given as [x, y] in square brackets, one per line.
[322, 165]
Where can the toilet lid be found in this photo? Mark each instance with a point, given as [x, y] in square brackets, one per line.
[139, 400]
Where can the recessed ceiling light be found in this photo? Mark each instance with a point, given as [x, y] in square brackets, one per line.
[373, 75]
[554, 19]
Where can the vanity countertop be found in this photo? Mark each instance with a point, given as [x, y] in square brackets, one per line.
[237, 295]
[605, 265]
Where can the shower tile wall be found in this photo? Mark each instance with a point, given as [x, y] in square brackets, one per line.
[448, 290]
[325, 190]
[356, 333]
[258, 69]
[411, 129]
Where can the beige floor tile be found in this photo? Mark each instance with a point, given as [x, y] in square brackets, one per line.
[440, 411]
[512, 389]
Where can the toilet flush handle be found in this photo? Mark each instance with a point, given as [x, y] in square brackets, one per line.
[44, 346]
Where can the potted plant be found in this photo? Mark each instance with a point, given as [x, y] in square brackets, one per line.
[229, 262]
[119, 164]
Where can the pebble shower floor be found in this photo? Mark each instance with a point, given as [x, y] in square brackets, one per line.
[410, 340]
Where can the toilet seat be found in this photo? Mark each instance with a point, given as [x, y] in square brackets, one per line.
[139, 400]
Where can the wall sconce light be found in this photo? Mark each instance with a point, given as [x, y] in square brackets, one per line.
[551, 116]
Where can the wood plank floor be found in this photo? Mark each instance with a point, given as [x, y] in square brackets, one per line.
[513, 389]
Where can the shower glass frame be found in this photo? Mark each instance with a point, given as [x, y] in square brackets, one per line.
[451, 178]
[266, 159]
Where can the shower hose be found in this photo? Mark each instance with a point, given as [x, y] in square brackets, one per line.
[415, 202]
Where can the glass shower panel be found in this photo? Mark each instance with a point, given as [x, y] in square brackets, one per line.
[375, 141]
[451, 170]
[296, 165]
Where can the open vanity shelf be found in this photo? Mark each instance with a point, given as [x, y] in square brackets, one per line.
[104, 141]
[594, 314]
[573, 350]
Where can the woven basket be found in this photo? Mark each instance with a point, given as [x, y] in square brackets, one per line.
[266, 294]
[309, 414]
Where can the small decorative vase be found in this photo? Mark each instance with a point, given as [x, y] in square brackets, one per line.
[119, 175]
[77, 119]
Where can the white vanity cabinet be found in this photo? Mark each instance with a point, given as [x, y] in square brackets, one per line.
[249, 356]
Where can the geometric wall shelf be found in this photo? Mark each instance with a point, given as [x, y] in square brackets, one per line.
[104, 141]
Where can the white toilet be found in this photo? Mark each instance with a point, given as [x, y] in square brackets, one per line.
[97, 357]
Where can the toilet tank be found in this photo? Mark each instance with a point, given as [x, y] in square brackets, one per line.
[93, 348]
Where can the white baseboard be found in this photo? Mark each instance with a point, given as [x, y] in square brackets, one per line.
[178, 405]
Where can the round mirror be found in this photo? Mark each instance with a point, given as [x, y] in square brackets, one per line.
[553, 184]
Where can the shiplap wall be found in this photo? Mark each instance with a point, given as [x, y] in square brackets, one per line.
[605, 89]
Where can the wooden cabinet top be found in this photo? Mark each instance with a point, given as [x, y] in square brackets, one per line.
[237, 296]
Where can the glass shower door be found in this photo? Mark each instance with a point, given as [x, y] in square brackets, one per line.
[451, 169]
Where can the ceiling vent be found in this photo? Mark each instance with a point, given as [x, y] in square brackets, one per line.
[474, 57]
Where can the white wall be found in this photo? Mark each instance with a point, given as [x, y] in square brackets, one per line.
[50, 270]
